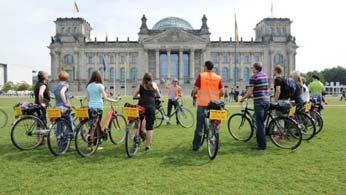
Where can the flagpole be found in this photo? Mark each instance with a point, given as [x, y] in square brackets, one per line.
[125, 77]
[235, 51]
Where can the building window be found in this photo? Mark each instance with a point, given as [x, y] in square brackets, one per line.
[163, 66]
[246, 59]
[68, 59]
[175, 66]
[215, 58]
[225, 59]
[90, 72]
[122, 58]
[236, 73]
[186, 67]
[122, 74]
[133, 59]
[101, 59]
[246, 74]
[62, 29]
[90, 60]
[257, 59]
[278, 59]
[133, 74]
[112, 59]
[225, 74]
[112, 74]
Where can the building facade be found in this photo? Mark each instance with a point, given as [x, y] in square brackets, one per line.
[171, 49]
[3, 74]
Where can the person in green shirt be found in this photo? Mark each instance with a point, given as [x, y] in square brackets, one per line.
[316, 88]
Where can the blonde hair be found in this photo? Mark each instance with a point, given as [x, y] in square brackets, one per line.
[63, 75]
[296, 76]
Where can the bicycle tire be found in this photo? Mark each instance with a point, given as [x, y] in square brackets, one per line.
[205, 133]
[213, 141]
[318, 121]
[83, 136]
[3, 118]
[28, 133]
[289, 131]
[243, 119]
[307, 122]
[159, 117]
[186, 112]
[117, 123]
[132, 140]
[59, 143]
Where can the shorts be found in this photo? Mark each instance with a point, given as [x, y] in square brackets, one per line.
[149, 118]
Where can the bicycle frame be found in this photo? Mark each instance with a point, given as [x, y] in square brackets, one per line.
[179, 106]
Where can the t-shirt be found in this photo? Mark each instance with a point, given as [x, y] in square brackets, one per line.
[94, 91]
[280, 81]
[198, 82]
[316, 87]
[260, 85]
[305, 93]
[58, 88]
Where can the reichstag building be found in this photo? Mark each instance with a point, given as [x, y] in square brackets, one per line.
[171, 49]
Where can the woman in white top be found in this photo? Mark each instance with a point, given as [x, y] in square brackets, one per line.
[305, 92]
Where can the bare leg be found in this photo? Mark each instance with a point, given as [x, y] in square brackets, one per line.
[149, 138]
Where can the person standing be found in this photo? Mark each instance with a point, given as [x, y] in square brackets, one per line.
[147, 91]
[280, 88]
[316, 88]
[174, 93]
[305, 92]
[42, 97]
[259, 88]
[209, 87]
[226, 99]
[343, 94]
[297, 96]
[236, 94]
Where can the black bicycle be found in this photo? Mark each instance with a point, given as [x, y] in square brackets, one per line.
[184, 116]
[305, 122]
[315, 113]
[215, 113]
[282, 130]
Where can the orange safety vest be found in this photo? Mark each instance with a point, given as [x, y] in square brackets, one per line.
[209, 89]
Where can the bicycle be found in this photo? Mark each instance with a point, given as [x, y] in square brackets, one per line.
[282, 130]
[315, 113]
[305, 122]
[183, 115]
[61, 130]
[91, 131]
[215, 113]
[30, 126]
[3, 118]
[135, 114]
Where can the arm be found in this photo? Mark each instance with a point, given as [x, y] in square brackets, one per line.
[248, 94]
[40, 95]
[105, 97]
[63, 97]
[157, 91]
[136, 92]
[277, 93]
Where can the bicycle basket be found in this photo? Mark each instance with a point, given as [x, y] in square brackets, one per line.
[28, 108]
[141, 110]
[284, 107]
[216, 105]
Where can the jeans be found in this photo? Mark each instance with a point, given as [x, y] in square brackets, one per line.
[171, 103]
[199, 126]
[261, 110]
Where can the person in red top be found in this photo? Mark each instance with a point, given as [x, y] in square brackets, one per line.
[209, 87]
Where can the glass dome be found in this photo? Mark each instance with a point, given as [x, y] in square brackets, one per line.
[172, 22]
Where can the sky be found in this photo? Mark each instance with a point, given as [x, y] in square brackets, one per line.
[26, 26]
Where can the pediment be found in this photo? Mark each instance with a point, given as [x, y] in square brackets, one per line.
[174, 35]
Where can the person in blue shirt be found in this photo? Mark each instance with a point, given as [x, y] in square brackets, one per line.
[95, 93]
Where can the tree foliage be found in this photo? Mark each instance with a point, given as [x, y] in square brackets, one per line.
[335, 74]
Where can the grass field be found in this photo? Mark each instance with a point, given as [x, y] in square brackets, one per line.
[317, 167]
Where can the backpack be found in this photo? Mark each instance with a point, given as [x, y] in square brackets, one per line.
[290, 88]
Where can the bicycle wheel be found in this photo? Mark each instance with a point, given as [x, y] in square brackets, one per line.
[26, 133]
[132, 139]
[185, 117]
[59, 137]
[318, 120]
[240, 127]
[205, 133]
[213, 141]
[117, 129]
[3, 118]
[159, 117]
[307, 125]
[285, 133]
[87, 138]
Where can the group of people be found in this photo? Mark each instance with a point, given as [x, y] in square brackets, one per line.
[208, 87]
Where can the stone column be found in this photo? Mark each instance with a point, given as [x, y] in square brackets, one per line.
[117, 66]
[128, 73]
[157, 60]
[169, 64]
[53, 67]
[181, 66]
[192, 65]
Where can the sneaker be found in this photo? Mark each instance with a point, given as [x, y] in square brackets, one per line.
[195, 149]
[147, 148]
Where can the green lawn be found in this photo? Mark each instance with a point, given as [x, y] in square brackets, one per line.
[317, 167]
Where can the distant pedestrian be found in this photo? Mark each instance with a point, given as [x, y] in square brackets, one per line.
[236, 94]
[343, 94]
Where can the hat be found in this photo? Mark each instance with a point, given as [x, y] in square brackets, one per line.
[175, 80]
[315, 77]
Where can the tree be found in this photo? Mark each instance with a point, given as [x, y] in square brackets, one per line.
[308, 76]
[336, 74]
[23, 87]
[8, 86]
